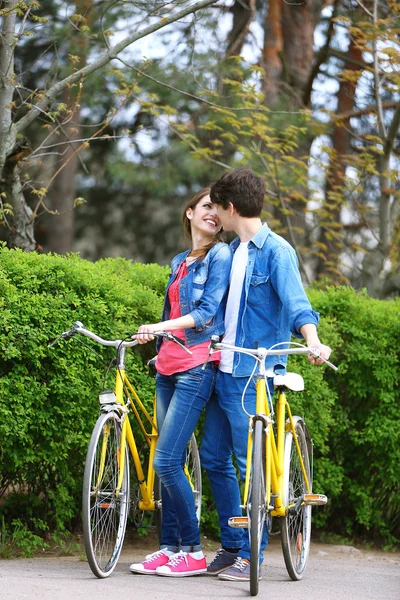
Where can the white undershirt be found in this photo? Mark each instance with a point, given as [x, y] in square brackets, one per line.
[236, 280]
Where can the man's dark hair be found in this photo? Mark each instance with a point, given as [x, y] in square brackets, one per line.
[243, 188]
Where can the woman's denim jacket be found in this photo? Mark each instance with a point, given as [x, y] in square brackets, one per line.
[274, 304]
[202, 292]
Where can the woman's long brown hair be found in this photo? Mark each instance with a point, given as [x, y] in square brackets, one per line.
[200, 253]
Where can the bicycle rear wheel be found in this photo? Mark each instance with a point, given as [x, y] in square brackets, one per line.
[296, 528]
[193, 473]
[256, 510]
[104, 513]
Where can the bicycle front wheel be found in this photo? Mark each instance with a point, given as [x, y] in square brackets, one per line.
[296, 528]
[104, 511]
[256, 510]
[192, 470]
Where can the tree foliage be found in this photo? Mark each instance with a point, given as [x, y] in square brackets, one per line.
[307, 94]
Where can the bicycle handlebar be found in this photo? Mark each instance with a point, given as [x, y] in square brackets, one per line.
[261, 353]
[78, 327]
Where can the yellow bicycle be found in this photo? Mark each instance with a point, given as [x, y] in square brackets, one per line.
[278, 479]
[106, 497]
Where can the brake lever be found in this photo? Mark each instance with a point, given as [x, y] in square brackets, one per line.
[65, 336]
[179, 341]
[214, 340]
[315, 352]
[54, 342]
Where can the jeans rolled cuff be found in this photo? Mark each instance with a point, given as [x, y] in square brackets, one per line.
[195, 548]
[173, 549]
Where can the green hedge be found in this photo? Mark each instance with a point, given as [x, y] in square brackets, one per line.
[364, 442]
[48, 397]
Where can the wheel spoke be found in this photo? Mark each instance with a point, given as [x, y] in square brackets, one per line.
[104, 513]
[296, 530]
[256, 511]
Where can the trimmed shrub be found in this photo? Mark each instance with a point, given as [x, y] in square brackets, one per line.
[48, 397]
[364, 441]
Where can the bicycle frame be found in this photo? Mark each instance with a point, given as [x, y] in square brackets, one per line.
[123, 387]
[275, 436]
[274, 452]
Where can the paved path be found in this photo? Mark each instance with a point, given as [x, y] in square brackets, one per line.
[333, 572]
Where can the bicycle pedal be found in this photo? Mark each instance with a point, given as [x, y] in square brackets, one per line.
[315, 499]
[239, 522]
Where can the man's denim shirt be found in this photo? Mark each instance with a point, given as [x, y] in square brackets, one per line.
[273, 303]
[202, 292]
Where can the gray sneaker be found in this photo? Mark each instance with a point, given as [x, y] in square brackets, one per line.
[239, 571]
[222, 560]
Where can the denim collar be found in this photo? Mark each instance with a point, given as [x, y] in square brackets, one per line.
[258, 239]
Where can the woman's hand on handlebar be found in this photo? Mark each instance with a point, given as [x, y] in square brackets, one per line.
[144, 333]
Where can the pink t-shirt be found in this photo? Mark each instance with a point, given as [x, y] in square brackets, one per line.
[171, 357]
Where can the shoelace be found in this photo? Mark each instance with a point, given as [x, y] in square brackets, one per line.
[240, 563]
[176, 559]
[219, 552]
[154, 555]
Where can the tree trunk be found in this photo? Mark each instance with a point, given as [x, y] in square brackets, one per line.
[63, 190]
[243, 13]
[272, 52]
[21, 234]
[19, 223]
[6, 77]
[298, 26]
[287, 57]
[62, 193]
[374, 261]
[330, 240]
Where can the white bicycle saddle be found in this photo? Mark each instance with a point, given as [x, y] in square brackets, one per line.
[292, 381]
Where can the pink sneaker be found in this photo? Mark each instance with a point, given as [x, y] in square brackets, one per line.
[152, 562]
[183, 564]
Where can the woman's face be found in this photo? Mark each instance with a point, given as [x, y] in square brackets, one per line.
[204, 218]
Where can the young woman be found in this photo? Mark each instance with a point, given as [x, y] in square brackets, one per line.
[194, 310]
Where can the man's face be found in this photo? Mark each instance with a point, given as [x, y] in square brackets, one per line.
[225, 218]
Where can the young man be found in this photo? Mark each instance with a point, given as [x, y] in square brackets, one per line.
[266, 305]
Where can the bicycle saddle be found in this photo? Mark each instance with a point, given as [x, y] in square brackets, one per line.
[292, 381]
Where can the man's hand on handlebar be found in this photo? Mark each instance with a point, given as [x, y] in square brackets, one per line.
[323, 353]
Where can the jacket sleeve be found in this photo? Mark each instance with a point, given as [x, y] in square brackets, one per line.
[286, 280]
[215, 287]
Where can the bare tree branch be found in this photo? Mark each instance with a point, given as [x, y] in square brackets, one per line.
[378, 100]
[393, 129]
[371, 108]
[208, 102]
[365, 9]
[111, 54]
[321, 56]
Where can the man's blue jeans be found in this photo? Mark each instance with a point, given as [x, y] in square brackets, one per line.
[225, 433]
[180, 400]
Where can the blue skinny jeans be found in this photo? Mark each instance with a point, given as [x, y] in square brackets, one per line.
[181, 397]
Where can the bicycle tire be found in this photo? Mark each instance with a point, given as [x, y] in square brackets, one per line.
[296, 529]
[256, 510]
[104, 514]
[192, 462]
